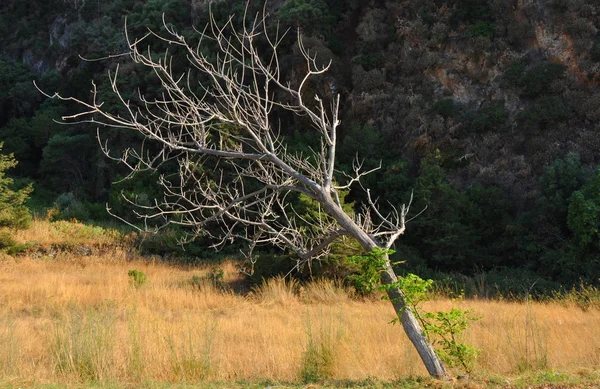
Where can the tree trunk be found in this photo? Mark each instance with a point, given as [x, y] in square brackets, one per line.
[411, 326]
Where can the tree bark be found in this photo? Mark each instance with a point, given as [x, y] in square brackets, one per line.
[411, 326]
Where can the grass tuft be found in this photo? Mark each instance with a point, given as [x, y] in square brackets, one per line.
[83, 346]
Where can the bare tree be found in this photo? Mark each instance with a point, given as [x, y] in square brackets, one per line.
[225, 121]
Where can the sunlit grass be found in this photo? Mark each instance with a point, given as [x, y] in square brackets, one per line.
[73, 319]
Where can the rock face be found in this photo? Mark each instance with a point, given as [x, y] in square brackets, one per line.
[61, 32]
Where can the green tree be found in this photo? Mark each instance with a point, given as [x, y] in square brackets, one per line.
[311, 16]
[67, 163]
[458, 230]
[560, 180]
[584, 214]
[13, 213]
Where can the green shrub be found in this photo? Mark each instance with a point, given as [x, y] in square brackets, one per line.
[213, 279]
[544, 113]
[313, 16]
[216, 276]
[318, 356]
[584, 214]
[514, 73]
[560, 179]
[137, 277]
[470, 11]
[269, 265]
[13, 213]
[447, 329]
[8, 243]
[167, 243]
[518, 283]
[491, 116]
[535, 81]
[446, 108]
[369, 61]
[480, 28]
[73, 231]
[6, 240]
[18, 217]
[18, 248]
[68, 207]
[443, 329]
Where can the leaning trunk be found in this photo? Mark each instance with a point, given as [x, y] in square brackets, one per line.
[411, 326]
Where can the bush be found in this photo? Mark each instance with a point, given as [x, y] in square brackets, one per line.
[168, 243]
[6, 240]
[470, 11]
[561, 6]
[446, 108]
[544, 113]
[485, 29]
[68, 207]
[560, 179]
[311, 16]
[18, 248]
[538, 80]
[369, 61]
[489, 117]
[514, 73]
[535, 81]
[519, 284]
[137, 277]
[439, 34]
[18, 217]
[214, 280]
[580, 28]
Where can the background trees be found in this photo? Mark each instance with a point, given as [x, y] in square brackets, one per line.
[13, 212]
[411, 92]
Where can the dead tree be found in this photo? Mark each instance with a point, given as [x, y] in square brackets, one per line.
[230, 121]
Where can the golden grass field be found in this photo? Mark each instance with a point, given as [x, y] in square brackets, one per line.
[69, 318]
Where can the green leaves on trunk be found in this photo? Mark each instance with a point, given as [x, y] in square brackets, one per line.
[444, 330]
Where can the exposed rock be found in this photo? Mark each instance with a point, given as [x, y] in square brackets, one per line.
[39, 65]
[61, 32]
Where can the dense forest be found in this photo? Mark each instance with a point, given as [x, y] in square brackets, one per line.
[487, 110]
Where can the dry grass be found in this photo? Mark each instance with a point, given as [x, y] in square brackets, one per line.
[73, 319]
[79, 319]
[62, 232]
